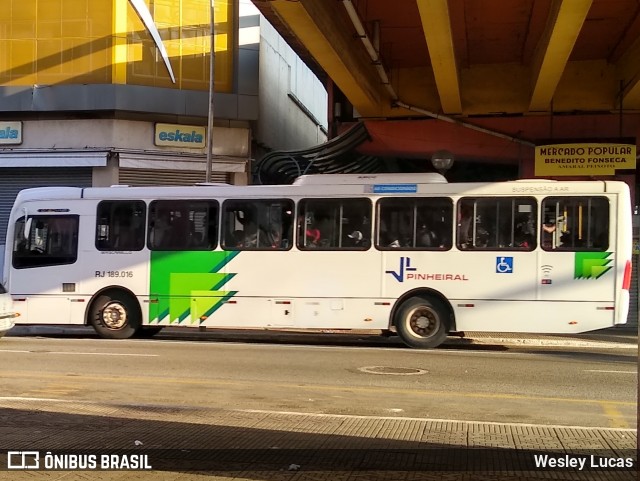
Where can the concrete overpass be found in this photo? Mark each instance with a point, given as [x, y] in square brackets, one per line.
[485, 79]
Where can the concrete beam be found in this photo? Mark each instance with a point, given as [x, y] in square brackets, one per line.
[552, 53]
[628, 72]
[436, 27]
[328, 36]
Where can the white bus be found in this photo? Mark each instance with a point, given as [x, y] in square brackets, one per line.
[408, 253]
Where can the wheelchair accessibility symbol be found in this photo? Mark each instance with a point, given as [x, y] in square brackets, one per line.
[504, 265]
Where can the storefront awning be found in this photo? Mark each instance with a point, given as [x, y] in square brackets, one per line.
[178, 162]
[18, 159]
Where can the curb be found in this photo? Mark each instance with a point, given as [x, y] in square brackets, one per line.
[554, 343]
[470, 339]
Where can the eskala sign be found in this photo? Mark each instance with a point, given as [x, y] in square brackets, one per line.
[10, 133]
[189, 136]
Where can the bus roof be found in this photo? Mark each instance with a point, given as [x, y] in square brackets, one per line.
[329, 185]
[364, 179]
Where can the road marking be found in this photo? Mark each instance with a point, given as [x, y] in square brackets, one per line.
[44, 399]
[615, 417]
[613, 372]
[103, 354]
[83, 353]
[54, 389]
[392, 371]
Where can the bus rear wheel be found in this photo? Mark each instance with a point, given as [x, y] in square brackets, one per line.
[422, 322]
[115, 315]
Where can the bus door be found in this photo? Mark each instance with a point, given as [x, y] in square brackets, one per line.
[577, 250]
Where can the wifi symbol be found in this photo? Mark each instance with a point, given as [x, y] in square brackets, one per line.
[546, 269]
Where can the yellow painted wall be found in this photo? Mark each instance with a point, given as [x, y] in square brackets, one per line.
[50, 42]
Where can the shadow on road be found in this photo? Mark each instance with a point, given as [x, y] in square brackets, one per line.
[272, 337]
[260, 446]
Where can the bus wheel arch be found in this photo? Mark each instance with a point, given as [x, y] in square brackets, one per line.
[115, 313]
[423, 318]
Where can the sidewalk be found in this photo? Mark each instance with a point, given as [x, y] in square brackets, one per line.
[190, 443]
[623, 337]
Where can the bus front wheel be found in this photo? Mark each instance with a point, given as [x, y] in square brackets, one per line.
[115, 315]
[422, 322]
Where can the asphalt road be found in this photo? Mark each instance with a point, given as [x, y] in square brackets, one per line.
[568, 387]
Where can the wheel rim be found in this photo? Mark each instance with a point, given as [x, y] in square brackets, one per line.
[114, 316]
[423, 321]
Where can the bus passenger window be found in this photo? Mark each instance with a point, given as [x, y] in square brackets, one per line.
[334, 224]
[497, 224]
[120, 225]
[183, 225]
[575, 223]
[414, 223]
[257, 224]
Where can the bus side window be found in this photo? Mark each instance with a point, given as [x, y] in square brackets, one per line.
[260, 224]
[334, 224]
[414, 223]
[576, 223]
[183, 225]
[120, 225]
[504, 223]
[52, 240]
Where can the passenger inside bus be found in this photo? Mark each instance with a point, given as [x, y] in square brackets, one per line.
[237, 238]
[465, 218]
[557, 237]
[356, 239]
[426, 237]
[442, 232]
[124, 229]
[180, 231]
[550, 239]
[398, 236]
[160, 228]
[270, 237]
[312, 236]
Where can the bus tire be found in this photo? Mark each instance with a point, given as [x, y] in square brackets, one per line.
[422, 323]
[115, 315]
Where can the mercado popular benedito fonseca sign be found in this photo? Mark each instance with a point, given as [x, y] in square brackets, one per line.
[185, 136]
[584, 158]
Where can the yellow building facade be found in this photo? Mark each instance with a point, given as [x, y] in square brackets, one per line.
[56, 42]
